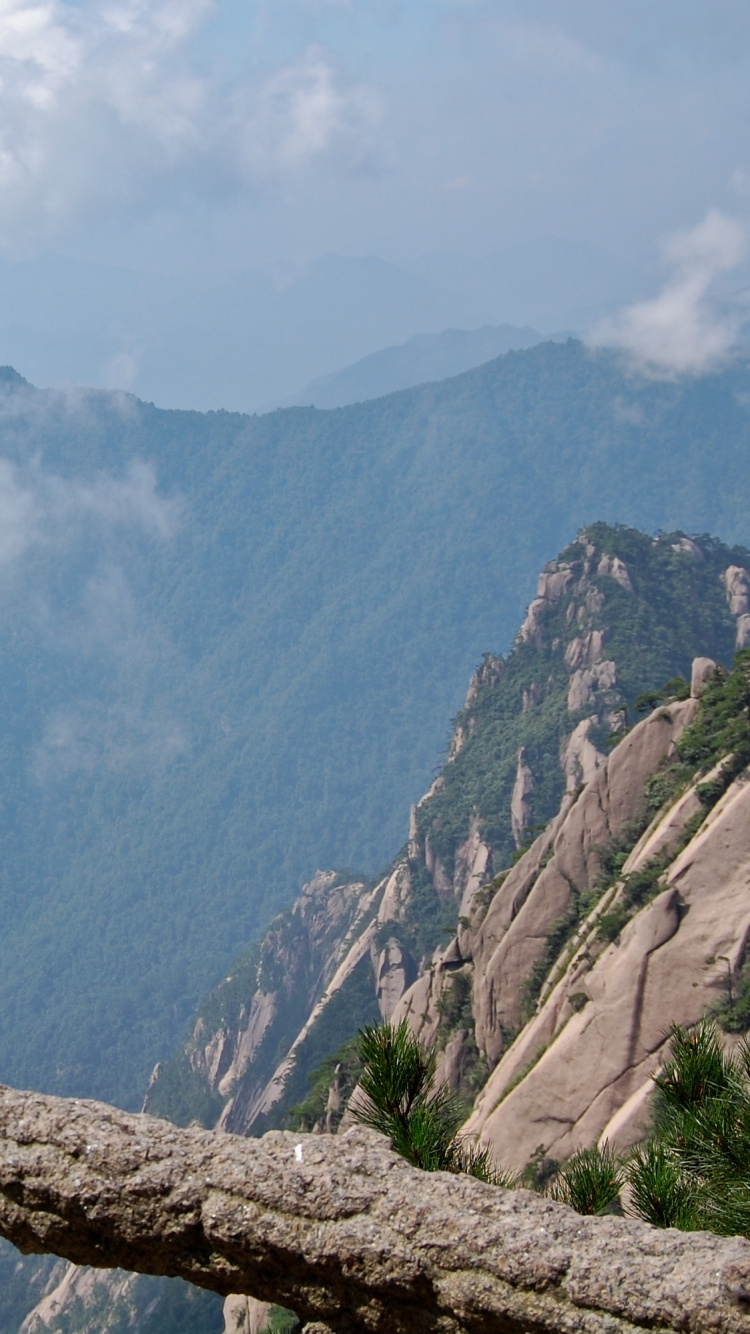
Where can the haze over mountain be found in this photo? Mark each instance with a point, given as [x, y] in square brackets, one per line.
[244, 340]
[232, 645]
[422, 358]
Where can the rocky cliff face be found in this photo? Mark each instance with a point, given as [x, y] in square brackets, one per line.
[267, 1005]
[615, 616]
[576, 972]
[503, 944]
[567, 889]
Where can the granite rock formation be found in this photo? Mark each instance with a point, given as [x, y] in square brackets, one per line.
[346, 1232]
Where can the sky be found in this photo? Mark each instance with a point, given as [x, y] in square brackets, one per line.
[549, 147]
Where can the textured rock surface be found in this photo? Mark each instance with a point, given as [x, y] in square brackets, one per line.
[298, 966]
[82, 1299]
[701, 672]
[507, 943]
[245, 1315]
[590, 1074]
[737, 586]
[342, 1230]
[580, 1067]
[520, 804]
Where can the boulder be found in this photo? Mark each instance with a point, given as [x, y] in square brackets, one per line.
[345, 1233]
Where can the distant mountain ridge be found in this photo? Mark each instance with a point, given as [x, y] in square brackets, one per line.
[232, 644]
[212, 340]
[420, 359]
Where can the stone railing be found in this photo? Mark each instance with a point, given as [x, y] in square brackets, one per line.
[346, 1233]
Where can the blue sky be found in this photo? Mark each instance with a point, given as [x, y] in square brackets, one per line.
[212, 137]
[272, 132]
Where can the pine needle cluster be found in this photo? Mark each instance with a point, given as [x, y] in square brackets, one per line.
[590, 1182]
[398, 1096]
[695, 1171]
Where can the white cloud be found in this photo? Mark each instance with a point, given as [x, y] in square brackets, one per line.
[685, 329]
[548, 49]
[300, 112]
[102, 106]
[41, 511]
[68, 561]
[90, 736]
[121, 370]
[133, 721]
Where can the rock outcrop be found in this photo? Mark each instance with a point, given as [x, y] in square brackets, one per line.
[502, 941]
[518, 1020]
[520, 805]
[575, 978]
[552, 585]
[737, 585]
[534, 730]
[299, 965]
[591, 1068]
[345, 1232]
[81, 1296]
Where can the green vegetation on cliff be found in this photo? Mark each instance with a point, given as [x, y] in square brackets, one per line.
[213, 687]
[673, 610]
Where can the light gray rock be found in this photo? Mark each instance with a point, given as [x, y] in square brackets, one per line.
[245, 1315]
[584, 649]
[700, 673]
[737, 586]
[346, 1233]
[617, 570]
[580, 759]
[592, 1078]
[586, 683]
[552, 585]
[689, 547]
[509, 939]
[520, 801]
[395, 971]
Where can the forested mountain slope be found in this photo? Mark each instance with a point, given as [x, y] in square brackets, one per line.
[231, 646]
[546, 976]
[616, 616]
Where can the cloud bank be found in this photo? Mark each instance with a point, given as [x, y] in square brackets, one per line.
[47, 513]
[103, 105]
[685, 329]
[69, 556]
[298, 112]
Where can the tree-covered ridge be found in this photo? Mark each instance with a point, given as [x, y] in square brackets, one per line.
[668, 606]
[196, 716]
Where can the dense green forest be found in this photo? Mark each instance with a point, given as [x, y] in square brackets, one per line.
[236, 662]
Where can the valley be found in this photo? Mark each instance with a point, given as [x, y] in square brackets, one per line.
[261, 630]
[585, 851]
